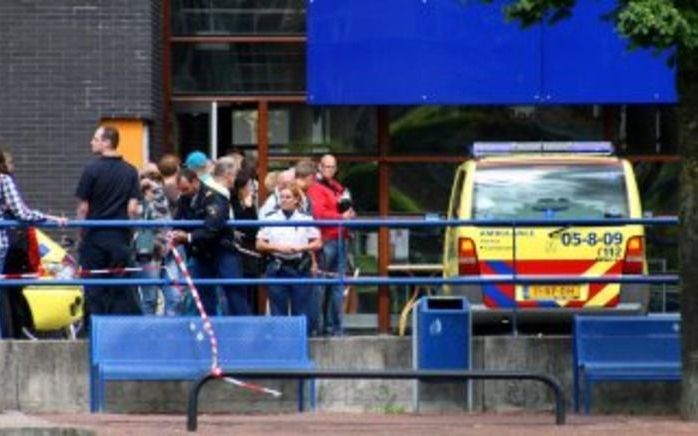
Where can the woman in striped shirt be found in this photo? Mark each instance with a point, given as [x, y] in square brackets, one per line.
[13, 207]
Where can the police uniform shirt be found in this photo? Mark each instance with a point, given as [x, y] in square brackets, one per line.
[213, 206]
[291, 235]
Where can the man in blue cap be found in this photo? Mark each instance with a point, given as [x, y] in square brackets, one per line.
[198, 162]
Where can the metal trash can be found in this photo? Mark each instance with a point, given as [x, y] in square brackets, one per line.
[441, 334]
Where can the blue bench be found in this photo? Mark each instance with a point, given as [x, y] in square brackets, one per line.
[624, 348]
[177, 348]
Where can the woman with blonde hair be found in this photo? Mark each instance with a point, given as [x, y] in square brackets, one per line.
[291, 250]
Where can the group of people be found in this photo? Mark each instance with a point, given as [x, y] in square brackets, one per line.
[303, 193]
[214, 192]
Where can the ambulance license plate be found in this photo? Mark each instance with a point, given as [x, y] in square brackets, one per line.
[555, 292]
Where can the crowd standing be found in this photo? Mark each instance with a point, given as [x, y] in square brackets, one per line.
[214, 192]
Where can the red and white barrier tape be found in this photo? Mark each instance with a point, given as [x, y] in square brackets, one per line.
[175, 282]
[120, 270]
[208, 328]
[253, 387]
[19, 276]
[80, 273]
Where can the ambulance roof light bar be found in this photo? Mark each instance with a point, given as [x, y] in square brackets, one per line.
[481, 149]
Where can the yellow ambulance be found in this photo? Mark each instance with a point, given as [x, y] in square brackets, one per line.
[550, 181]
[55, 308]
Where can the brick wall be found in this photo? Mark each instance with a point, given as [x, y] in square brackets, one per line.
[64, 65]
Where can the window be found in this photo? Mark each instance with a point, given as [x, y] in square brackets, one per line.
[300, 129]
[238, 68]
[238, 17]
[550, 191]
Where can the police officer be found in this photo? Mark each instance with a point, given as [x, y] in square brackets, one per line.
[191, 193]
[291, 251]
[213, 245]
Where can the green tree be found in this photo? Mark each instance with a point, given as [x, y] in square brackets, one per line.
[660, 25]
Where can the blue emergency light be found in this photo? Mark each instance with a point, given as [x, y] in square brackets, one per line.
[480, 149]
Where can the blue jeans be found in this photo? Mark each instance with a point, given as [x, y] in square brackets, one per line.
[314, 312]
[187, 306]
[205, 269]
[149, 294]
[283, 296]
[224, 265]
[171, 293]
[334, 260]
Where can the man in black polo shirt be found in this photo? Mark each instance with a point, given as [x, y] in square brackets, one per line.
[108, 190]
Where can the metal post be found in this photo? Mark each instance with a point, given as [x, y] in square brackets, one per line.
[193, 402]
[663, 264]
[514, 320]
[341, 258]
[214, 129]
[384, 297]
[262, 168]
[341, 271]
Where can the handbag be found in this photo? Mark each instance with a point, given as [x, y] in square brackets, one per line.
[144, 242]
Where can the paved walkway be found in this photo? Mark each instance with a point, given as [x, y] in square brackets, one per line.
[14, 423]
[364, 424]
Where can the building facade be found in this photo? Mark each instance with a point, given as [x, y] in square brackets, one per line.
[65, 66]
[215, 75]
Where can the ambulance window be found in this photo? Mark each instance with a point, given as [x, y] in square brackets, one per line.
[457, 194]
[550, 191]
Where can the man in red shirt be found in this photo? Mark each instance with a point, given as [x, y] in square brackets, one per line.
[330, 201]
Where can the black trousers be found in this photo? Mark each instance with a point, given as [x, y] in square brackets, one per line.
[108, 249]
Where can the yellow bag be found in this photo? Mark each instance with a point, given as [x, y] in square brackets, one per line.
[53, 307]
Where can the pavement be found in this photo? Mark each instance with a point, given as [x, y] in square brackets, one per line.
[14, 423]
[321, 423]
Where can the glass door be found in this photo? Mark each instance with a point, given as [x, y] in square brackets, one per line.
[215, 128]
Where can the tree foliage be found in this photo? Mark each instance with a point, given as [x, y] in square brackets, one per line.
[657, 24]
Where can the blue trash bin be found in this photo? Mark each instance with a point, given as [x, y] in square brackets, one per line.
[441, 330]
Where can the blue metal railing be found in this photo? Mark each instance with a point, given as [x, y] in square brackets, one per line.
[358, 281]
[364, 280]
[362, 223]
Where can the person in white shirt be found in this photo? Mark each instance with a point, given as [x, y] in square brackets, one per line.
[291, 251]
[272, 203]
